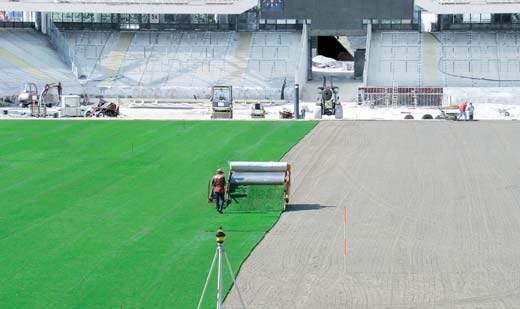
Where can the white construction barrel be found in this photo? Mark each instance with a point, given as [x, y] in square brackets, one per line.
[338, 113]
[257, 178]
[258, 166]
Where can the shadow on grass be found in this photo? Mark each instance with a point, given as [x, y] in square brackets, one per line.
[237, 212]
[303, 207]
[235, 196]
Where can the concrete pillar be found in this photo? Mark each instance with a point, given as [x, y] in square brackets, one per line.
[420, 22]
[28, 16]
[296, 101]
[45, 22]
[309, 57]
[38, 21]
[97, 18]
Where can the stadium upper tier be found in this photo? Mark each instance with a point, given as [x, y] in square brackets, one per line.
[446, 59]
[27, 56]
[162, 64]
[131, 6]
[185, 63]
[469, 6]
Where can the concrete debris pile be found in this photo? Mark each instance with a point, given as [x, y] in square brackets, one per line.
[323, 62]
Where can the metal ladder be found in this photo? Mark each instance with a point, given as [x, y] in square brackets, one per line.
[395, 95]
[414, 98]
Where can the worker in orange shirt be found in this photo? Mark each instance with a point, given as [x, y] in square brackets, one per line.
[219, 183]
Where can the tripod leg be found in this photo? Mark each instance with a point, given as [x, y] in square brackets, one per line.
[234, 281]
[207, 280]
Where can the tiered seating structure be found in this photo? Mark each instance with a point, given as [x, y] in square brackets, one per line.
[446, 59]
[186, 63]
[27, 56]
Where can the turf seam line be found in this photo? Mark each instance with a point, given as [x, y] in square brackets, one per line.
[250, 252]
[272, 226]
[316, 123]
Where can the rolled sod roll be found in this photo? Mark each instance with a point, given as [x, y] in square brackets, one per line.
[258, 166]
[257, 178]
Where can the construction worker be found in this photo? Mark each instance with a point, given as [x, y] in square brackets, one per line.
[471, 111]
[218, 183]
[462, 111]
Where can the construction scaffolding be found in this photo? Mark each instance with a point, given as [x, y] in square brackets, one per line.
[401, 96]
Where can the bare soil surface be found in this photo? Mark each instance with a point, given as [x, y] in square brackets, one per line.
[433, 220]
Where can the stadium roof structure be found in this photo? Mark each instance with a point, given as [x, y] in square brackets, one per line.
[469, 6]
[131, 6]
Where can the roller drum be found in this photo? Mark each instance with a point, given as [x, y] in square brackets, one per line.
[257, 178]
[258, 166]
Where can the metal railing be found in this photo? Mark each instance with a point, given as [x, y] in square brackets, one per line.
[16, 24]
[402, 96]
[60, 43]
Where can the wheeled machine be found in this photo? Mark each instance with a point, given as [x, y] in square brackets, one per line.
[222, 102]
[103, 109]
[257, 110]
[243, 173]
[328, 101]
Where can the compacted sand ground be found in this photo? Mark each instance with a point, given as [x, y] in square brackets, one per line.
[433, 220]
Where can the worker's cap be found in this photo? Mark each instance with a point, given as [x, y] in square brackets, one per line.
[219, 170]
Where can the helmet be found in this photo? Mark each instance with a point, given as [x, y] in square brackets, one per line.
[219, 170]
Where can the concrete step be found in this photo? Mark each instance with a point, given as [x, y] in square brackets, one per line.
[24, 66]
[430, 55]
[238, 61]
[112, 63]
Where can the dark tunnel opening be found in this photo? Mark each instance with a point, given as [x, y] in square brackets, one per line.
[329, 46]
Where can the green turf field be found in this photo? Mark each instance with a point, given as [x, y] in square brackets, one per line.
[111, 214]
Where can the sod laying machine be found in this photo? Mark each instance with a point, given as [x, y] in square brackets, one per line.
[257, 173]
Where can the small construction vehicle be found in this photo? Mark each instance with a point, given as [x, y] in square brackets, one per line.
[284, 113]
[44, 100]
[328, 101]
[28, 95]
[103, 109]
[257, 110]
[222, 102]
[47, 99]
